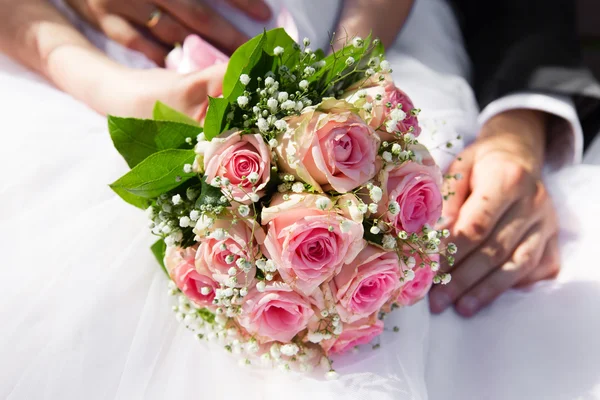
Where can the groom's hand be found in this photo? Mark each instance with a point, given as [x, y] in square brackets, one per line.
[501, 216]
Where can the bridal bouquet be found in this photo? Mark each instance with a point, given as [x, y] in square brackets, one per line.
[301, 212]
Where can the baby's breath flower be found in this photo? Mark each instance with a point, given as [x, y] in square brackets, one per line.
[376, 194]
[323, 203]
[242, 101]
[278, 50]
[446, 278]
[230, 259]
[373, 208]
[394, 208]
[409, 275]
[176, 199]
[218, 234]
[244, 79]
[232, 272]
[358, 42]
[194, 215]
[452, 248]
[206, 290]
[289, 349]
[375, 230]
[288, 105]
[253, 177]
[396, 148]
[298, 187]
[187, 168]
[306, 41]
[299, 106]
[385, 66]
[282, 96]
[435, 266]
[350, 61]
[184, 222]
[272, 104]
[368, 107]
[269, 81]
[260, 286]
[262, 124]
[273, 142]
[254, 197]
[303, 84]
[363, 208]
[389, 242]
[370, 72]
[244, 210]
[281, 125]
[411, 262]
[309, 71]
[387, 156]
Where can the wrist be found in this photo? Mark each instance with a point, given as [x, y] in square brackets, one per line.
[521, 132]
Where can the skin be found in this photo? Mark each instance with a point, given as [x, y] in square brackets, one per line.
[124, 22]
[501, 217]
[39, 37]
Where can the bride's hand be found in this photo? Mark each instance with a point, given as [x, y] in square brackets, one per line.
[168, 21]
[136, 92]
[501, 216]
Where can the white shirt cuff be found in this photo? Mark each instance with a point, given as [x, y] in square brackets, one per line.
[565, 135]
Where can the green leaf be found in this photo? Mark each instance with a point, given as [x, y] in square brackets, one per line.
[337, 75]
[163, 112]
[156, 175]
[136, 139]
[241, 62]
[248, 56]
[136, 201]
[158, 249]
[214, 123]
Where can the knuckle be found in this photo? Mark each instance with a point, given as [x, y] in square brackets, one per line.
[516, 176]
[478, 228]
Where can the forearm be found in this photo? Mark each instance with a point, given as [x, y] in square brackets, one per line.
[383, 18]
[38, 36]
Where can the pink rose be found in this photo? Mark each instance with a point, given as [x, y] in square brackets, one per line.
[309, 245]
[239, 242]
[414, 290]
[236, 156]
[336, 150]
[416, 187]
[360, 332]
[196, 286]
[278, 313]
[386, 92]
[196, 54]
[367, 283]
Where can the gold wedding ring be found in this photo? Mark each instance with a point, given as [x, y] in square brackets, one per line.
[153, 18]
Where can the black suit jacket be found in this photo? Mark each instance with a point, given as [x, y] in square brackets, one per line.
[528, 45]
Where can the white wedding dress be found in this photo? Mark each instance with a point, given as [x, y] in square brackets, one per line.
[84, 309]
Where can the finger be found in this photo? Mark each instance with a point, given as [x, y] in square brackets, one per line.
[504, 238]
[256, 9]
[197, 86]
[549, 265]
[525, 259]
[458, 189]
[166, 29]
[122, 32]
[201, 19]
[494, 192]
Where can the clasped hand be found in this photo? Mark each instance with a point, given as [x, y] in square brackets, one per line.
[501, 216]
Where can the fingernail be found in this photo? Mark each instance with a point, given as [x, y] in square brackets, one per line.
[467, 306]
[439, 301]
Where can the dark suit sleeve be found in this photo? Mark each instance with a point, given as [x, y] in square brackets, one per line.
[528, 45]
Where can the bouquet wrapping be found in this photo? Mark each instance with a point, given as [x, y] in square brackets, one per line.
[301, 212]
